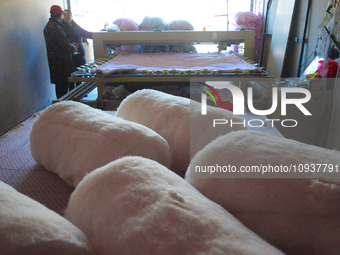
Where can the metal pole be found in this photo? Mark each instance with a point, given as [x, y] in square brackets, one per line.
[265, 31]
[333, 39]
[304, 39]
[227, 15]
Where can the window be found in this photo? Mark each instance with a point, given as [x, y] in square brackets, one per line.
[92, 15]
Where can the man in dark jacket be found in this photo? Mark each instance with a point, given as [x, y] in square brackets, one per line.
[75, 34]
[59, 52]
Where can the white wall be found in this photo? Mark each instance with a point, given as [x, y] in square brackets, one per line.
[24, 75]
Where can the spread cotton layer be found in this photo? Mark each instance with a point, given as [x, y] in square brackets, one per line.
[297, 215]
[72, 139]
[180, 61]
[27, 227]
[137, 206]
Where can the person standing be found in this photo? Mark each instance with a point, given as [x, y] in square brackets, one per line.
[59, 52]
[75, 34]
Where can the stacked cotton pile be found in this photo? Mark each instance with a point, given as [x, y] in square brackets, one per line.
[72, 139]
[27, 227]
[250, 21]
[181, 25]
[126, 24]
[297, 215]
[171, 117]
[152, 24]
[137, 206]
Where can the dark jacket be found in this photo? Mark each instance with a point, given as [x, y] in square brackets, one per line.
[75, 33]
[59, 52]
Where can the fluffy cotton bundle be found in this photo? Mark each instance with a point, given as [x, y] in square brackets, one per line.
[180, 25]
[167, 115]
[299, 216]
[202, 130]
[136, 206]
[171, 117]
[72, 139]
[251, 22]
[27, 227]
[126, 24]
[152, 23]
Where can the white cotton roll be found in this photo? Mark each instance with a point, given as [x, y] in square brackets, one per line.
[27, 227]
[167, 115]
[202, 129]
[171, 117]
[297, 215]
[137, 206]
[72, 139]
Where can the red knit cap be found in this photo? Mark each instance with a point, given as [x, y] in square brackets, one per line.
[56, 9]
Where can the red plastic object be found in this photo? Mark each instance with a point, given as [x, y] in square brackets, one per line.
[331, 68]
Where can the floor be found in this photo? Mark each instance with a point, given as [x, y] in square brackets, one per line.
[19, 170]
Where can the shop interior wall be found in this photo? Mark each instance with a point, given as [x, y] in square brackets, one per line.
[320, 123]
[317, 11]
[328, 123]
[290, 66]
[25, 86]
[270, 16]
[294, 46]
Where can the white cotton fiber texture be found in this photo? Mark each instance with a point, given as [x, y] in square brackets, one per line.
[72, 139]
[152, 23]
[137, 206]
[179, 25]
[27, 227]
[298, 215]
[176, 119]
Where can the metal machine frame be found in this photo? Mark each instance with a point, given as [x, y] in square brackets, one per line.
[104, 40]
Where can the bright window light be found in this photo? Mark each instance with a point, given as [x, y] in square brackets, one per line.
[211, 15]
